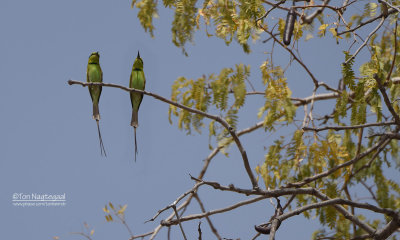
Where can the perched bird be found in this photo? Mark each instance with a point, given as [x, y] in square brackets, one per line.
[94, 74]
[137, 81]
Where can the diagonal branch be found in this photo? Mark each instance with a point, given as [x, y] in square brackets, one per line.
[172, 205]
[391, 11]
[220, 120]
[141, 235]
[203, 209]
[293, 54]
[386, 99]
[366, 40]
[330, 202]
[179, 221]
[212, 212]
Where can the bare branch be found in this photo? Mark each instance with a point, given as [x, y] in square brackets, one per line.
[272, 8]
[212, 212]
[317, 97]
[369, 190]
[366, 40]
[308, 19]
[346, 214]
[178, 219]
[335, 201]
[172, 205]
[141, 236]
[365, 166]
[391, 11]
[293, 54]
[83, 235]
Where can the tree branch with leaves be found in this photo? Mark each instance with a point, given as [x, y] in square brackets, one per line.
[341, 138]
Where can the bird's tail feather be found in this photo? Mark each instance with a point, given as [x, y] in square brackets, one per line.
[102, 149]
[134, 121]
[136, 150]
[96, 114]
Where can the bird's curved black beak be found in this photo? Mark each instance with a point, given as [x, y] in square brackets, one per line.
[138, 54]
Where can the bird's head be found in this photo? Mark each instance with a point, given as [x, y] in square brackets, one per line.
[94, 57]
[138, 64]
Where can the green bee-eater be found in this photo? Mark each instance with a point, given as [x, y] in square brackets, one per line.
[137, 81]
[94, 74]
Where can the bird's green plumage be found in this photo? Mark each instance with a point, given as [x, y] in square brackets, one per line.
[95, 74]
[137, 81]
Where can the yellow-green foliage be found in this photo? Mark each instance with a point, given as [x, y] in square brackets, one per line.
[230, 19]
[277, 106]
[233, 20]
[147, 11]
[184, 22]
[301, 154]
[213, 90]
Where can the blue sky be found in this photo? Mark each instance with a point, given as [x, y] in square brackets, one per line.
[49, 140]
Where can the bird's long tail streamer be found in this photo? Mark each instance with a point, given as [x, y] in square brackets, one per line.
[136, 151]
[102, 149]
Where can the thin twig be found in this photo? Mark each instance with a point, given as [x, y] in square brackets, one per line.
[203, 209]
[172, 205]
[368, 164]
[293, 55]
[272, 8]
[141, 235]
[369, 190]
[391, 11]
[366, 40]
[82, 234]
